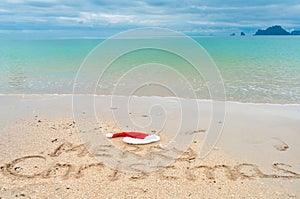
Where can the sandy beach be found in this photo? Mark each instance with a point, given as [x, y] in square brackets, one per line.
[207, 93]
[43, 154]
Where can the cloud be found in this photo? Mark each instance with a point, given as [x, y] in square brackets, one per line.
[191, 16]
[3, 11]
[110, 18]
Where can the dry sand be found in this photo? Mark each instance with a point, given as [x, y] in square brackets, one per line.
[44, 156]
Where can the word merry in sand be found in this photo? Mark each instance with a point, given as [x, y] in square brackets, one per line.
[67, 170]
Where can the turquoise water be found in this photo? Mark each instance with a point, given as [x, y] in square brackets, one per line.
[254, 69]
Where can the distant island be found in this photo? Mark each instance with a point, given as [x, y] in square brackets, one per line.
[276, 30]
[295, 32]
[242, 34]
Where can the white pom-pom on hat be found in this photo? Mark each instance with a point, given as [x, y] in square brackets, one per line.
[109, 135]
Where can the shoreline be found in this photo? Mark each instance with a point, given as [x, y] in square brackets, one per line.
[156, 97]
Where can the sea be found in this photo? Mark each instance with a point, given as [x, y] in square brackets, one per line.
[264, 69]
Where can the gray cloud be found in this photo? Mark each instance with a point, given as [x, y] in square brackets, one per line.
[190, 16]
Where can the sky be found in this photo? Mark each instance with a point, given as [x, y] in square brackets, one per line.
[103, 18]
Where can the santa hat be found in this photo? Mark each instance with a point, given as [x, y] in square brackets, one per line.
[135, 137]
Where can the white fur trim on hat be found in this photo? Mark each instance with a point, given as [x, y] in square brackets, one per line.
[146, 140]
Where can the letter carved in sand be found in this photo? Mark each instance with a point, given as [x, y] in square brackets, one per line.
[67, 170]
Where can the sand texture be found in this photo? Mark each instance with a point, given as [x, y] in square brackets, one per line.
[44, 156]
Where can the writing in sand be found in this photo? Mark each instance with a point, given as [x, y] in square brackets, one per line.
[68, 170]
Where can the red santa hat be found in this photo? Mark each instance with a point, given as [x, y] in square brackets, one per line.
[135, 137]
